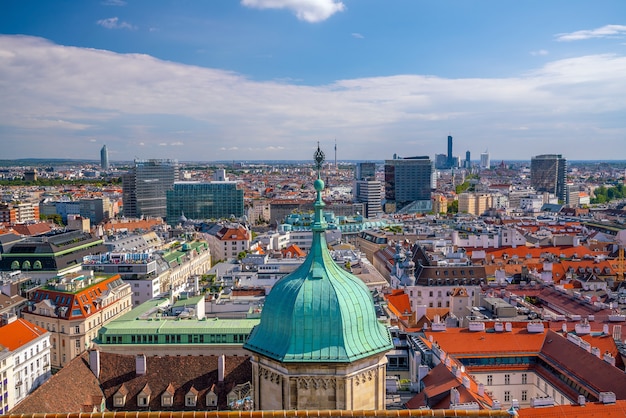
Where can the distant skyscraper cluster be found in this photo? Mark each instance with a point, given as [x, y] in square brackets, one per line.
[548, 174]
[104, 158]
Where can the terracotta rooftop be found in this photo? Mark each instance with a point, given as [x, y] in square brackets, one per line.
[19, 333]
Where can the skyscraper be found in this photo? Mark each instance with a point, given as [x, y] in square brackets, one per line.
[144, 187]
[197, 200]
[468, 160]
[409, 181]
[548, 174]
[450, 157]
[485, 162]
[104, 158]
[365, 171]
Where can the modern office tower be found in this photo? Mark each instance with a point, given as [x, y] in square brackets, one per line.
[548, 174]
[144, 187]
[365, 171]
[450, 158]
[104, 158]
[441, 161]
[468, 160]
[201, 200]
[485, 163]
[408, 181]
[370, 193]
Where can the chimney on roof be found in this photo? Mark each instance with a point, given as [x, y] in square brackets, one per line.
[140, 364]
[581, 400]
[94, 362]
[455, 397]
[466, 382]
[221, 367]
[481, 389]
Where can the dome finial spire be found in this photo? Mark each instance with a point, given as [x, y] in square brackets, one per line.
[319, 158]
[319, 224]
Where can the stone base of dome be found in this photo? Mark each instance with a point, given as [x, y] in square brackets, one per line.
[308, 386]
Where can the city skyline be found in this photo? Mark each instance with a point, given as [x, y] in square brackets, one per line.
[259, 80]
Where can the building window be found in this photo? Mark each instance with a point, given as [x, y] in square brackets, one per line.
[489, 379]
[190, 400]
[118, 400]
[507, 379]
[167, 400]
[524, 378]
[77, 329]
[524, 395]
[507, 396]
[211, 399]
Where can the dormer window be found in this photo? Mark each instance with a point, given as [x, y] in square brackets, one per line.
[119, 400]
[142, 400]
[211, 399]
[190, 400]
[167, 399]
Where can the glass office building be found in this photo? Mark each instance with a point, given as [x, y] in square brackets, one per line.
[408, 180]
[197, 200]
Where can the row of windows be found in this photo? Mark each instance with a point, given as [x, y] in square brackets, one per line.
[176, 339]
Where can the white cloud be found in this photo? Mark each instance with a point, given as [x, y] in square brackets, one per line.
[114, 3]
[541, 52]
[357, 35]
[307, 10]
[140, 105]
[114, 23]
[608, 31]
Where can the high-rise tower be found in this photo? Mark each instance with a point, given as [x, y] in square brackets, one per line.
[104, 158]
[145, 185]
[367, 189]
[408, 181]
[548, 174]
[485, 162]
[450, 157]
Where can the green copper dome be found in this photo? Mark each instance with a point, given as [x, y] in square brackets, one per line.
[320, 312]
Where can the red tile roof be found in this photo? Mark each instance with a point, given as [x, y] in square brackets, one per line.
[81, 304]
[19, 333]
[618, 409]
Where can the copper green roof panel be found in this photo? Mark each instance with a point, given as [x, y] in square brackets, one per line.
[319, 312]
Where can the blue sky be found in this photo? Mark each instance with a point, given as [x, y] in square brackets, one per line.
[267, 79]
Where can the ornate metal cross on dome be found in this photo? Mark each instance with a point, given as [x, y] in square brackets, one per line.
[319, 159]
